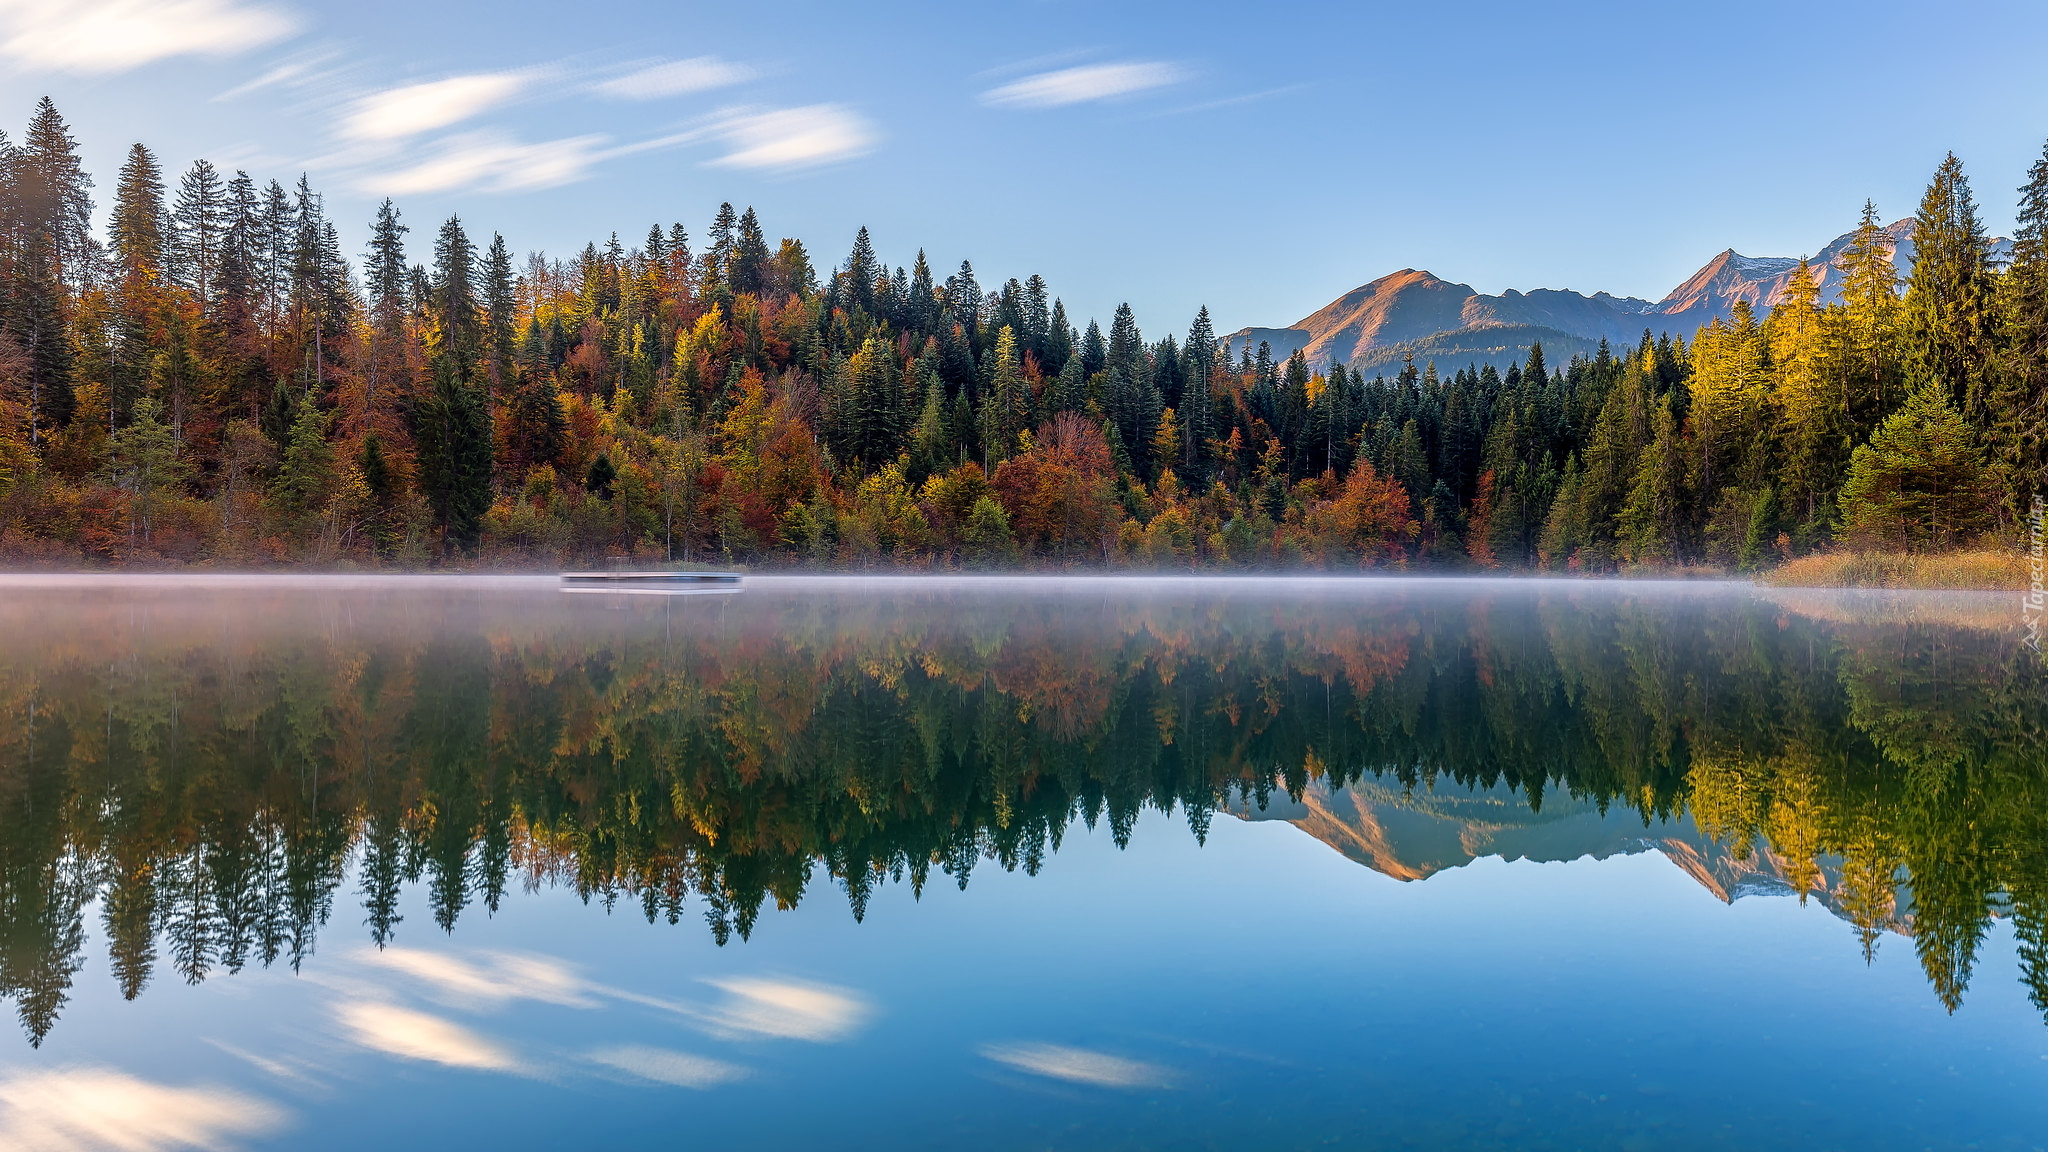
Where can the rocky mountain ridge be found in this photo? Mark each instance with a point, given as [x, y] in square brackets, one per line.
[1412, 834]
[1414, 313]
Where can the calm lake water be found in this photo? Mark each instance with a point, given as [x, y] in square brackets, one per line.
[1088, 864]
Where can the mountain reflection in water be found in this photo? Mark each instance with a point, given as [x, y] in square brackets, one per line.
[201, 771]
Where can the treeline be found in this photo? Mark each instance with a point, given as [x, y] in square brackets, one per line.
[206, 778]
[213, 381]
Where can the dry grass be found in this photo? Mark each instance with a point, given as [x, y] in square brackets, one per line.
[1988, 570]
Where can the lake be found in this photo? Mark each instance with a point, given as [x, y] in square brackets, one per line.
[334, 863]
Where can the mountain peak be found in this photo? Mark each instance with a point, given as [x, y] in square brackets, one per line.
[1414, 312]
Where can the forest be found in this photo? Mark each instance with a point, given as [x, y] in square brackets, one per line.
[216, 382]
[197, 787]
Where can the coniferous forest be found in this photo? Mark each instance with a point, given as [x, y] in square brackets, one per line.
[214, 380]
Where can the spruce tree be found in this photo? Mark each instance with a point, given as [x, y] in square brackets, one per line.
[1870, 318]
[2020, 396]
[457, 317]
[1919, 483]
[199, 222]
[498, 306]
[136, 230]
[1948, 295]
[53, 194]
[451, 427]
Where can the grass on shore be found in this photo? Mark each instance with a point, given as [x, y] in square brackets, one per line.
[1985, 570]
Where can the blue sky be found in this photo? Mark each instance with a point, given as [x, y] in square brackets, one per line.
[1259, 158]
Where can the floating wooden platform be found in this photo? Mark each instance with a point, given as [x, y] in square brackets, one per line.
[658, 583]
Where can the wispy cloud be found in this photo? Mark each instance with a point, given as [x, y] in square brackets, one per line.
[491, 162]
[675, 78]
[398, 113]
[784, 1009]
[1077, 1065]
[300, 71]
[788, 139]
[662, 1066]
[1084, 83]
[100, 36]
[414, 1035]
[81, 1109]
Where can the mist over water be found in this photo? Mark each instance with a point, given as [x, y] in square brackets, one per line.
[859, 862]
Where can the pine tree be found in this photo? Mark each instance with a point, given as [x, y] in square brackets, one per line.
[749, 272]
[385, 275]
[306, 477]
[53, 195]
[1870, 315]
[137, 227]
[142, 460]
[457, 318]
[1919, 483]
[2019, 401]
[498, 307]
[1006, 409]
[1197, 410]
[137, 233]
[451, 426]
[715, 283]
[199, 222]
[1813, 417]
[1948, 295]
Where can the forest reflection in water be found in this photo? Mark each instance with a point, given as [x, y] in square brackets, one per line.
[201, 771]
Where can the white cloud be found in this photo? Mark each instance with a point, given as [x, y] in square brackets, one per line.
[414, 1035]
[491, 162]
[787, 1010]
[1077, 1065]
[791, 138]
[676, 78]
[81, 1109]
[98, 36]
[397, 113]
[1082, 84]
[662, 1066]
[490, 980]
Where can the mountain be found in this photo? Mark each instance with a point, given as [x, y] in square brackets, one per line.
[1413, 313]
[1413, 834]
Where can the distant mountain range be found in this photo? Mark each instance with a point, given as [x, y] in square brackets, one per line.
[1376, 326]
[1414, 834]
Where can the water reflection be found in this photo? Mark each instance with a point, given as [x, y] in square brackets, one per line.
[202, 772]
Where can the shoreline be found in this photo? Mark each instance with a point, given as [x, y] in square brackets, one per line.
[1956, 573]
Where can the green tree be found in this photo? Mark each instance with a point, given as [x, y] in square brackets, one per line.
[142, 460]
[452, 427]
[305, 477]
[1948, 296]
[2020, 395]
[1919, 482]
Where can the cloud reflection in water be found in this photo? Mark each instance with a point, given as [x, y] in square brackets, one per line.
[87, 1109]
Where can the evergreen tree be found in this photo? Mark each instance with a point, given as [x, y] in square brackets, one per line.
[1007, 408]
[1870, 313]
[457, 316]
[2019, 402]
[306, 477]
[1948, 296]
[1919, 483]
[136, 230]
[499, 317]
[53, 195]
[199, 222]
[452, 427]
